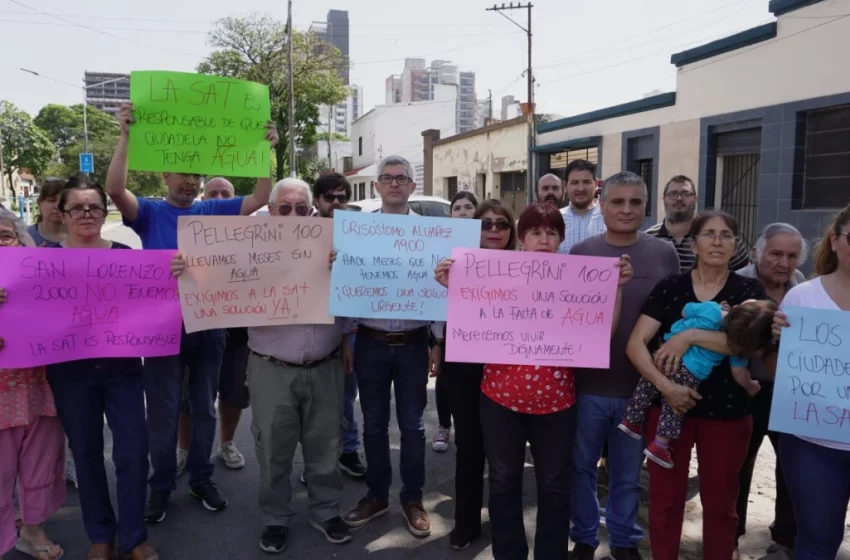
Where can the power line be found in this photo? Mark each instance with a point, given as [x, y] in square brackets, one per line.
[354, 63]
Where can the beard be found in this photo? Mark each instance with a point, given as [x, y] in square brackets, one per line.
[552, 199]
[681, 216]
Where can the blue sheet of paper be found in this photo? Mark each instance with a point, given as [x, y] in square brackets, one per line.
[812, 393]
[384, 267]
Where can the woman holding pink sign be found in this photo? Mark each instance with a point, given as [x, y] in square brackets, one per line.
[522, 404]
[32, 443]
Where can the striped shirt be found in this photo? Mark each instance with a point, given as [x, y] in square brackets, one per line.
[686, 256]
[579, 228]
[298, 344]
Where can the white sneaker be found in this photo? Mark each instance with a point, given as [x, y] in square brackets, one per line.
[231, 456]
[441, 439]
[71, 471]
[182, 459]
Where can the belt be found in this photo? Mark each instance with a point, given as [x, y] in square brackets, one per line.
[394, 338]
[308, 365]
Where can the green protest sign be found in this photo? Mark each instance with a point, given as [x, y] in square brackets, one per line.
[199, 124]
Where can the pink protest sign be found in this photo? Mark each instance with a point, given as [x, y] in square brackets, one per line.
[512, 307]
[71, 304]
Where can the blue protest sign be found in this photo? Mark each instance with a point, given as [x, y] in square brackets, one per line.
[812, 393]
[384, 267]
[86, 163]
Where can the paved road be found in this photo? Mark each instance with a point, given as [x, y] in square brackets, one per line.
[190, 532]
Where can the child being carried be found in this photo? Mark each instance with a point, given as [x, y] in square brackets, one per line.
[748, 330]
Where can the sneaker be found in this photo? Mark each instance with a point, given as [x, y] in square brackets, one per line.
[441, 439]
[625, 554]
[778, 552]
[367, 510]
[334, 530]
[71, 472]
[274, 539]
[303, 479]
[350, 464]
[231, 456]
[208, 493]
[156, 506]
[182, 459]
[659, 455]
[582, 551]
[417, 520]
[631, 430]
[459, 539]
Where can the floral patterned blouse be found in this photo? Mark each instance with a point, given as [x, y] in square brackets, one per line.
[530, 389]
[24, 397]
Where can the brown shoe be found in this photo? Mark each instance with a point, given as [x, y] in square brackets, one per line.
[101, 552]
[143, 551]
[367, 510]
[417, 520]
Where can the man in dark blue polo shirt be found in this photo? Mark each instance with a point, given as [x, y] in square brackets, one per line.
[200, 353]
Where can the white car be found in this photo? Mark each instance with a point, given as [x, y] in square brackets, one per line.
[433, 206]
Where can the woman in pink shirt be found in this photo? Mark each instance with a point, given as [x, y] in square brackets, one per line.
[32, 443]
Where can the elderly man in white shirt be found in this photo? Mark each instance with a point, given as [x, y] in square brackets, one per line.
[582, 215]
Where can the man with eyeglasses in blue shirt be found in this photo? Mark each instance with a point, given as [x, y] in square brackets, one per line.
[201, 352]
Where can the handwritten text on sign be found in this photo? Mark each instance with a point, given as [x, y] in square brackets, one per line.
[70, 304]
[812, 392]
[193, 123]
[509, 307]
[385, 264]
[251, 271]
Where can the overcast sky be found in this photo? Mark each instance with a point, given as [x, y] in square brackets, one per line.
[587, 55]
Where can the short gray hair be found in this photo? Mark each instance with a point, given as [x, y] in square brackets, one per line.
[20, 228]
[291, 183]
[396, 160]
[775, 229]
[625, 179]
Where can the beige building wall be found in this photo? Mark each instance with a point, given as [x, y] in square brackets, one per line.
[678, 154]
[612, 145]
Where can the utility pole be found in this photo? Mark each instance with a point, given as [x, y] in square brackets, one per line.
[330, 120]
[531, 120]
[292, 167]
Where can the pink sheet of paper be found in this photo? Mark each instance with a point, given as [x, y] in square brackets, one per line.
[71, 304]
[512, 307]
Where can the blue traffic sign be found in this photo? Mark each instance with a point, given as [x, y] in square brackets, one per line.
[86, 163]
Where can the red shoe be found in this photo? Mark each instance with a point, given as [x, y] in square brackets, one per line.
[631, 430]
[658, 454]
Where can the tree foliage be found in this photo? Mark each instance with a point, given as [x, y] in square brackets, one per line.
[64, 124]
[25, 146]
[255, 48]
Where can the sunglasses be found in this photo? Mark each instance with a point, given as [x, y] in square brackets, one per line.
[300, 209]
[330, 198]
[501, 225]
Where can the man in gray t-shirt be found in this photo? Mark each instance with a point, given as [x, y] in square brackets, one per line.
[602, 395]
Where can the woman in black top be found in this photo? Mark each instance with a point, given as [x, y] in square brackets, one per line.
[717, 417]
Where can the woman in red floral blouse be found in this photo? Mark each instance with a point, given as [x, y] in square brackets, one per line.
[532, 404]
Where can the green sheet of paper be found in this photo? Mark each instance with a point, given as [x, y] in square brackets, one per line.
[199, 124]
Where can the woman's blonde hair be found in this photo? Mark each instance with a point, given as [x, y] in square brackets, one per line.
[826, 260]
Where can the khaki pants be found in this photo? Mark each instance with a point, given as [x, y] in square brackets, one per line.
[292, 405]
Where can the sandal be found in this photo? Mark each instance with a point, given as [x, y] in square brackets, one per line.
[50, 551]
[143, 551]
[101, 551]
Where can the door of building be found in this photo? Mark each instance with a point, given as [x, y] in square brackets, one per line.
[738, 171]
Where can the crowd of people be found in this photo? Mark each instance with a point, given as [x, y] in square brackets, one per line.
[685, 289]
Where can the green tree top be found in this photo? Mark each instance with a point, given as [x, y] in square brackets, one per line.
[25, 146]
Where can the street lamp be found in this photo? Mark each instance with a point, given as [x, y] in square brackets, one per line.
[85, 102]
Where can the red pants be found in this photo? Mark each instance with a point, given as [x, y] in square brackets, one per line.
[721, 451]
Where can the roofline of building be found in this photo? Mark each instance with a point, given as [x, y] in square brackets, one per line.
[630, 108]
[779, 7]
[726, 44]
[483, 130]
[575, 143]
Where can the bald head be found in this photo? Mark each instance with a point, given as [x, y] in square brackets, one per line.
[550, 189]
[218, 187]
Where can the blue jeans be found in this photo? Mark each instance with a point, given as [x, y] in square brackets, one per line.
[201, 353]
[81, 404]
[379, 367]
[350, 431]
[597, 422]
[819, 485]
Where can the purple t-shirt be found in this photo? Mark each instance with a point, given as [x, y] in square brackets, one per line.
[653, 260]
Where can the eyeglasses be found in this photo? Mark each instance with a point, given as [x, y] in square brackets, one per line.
[501, 225]
[725, 237]
[683, 195]
[330, 198]
[402, 180]
[7, 238]
[78, 212]
[286, 209]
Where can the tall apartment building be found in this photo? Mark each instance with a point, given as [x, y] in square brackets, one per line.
[336, 32]
[107, 97]
[417, 81]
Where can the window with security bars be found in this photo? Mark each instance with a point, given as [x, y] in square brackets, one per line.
[561, 159]
[640, 160]
[822, 165]
[451, 187]
[644, 169]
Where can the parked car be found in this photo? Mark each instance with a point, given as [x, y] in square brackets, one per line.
[433, 206]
